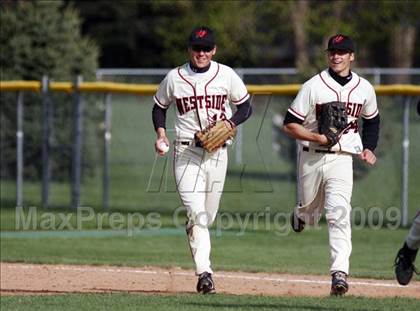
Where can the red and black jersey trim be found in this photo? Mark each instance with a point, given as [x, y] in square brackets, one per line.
[357, 84]
[205, 89]
[238, 101]
[157, 102]
[338, 96]
[290, 118]
[372, 115]
[195, 95]
[296, 114]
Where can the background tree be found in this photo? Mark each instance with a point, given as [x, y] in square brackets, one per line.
[299, 15]
[153, 34]
[41, 38]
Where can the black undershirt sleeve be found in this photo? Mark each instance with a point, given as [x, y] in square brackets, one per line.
[159, 117]
[242, 113]
[289, 118]
[370, 133]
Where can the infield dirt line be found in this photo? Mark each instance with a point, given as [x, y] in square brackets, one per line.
[223, 275]
[30, 278]
[219, 275]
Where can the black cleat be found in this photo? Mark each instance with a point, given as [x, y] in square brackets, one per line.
[339, 284]
[297, 224]
[404, 264]
[205, 284]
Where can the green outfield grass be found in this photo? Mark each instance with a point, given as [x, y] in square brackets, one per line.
[269, 251]
[201, 302]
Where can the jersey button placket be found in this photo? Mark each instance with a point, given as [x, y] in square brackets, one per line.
[199, 91]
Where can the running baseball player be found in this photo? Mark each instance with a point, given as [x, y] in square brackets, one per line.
[325, 172]
[404, 262]
[201, 89]
[406, 256]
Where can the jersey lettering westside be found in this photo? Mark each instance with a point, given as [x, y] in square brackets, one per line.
[200, 98]
[359, 96]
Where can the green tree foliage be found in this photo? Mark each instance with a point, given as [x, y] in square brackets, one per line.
[249, 33]
[41, 38]
[369, 23]
[154, 33]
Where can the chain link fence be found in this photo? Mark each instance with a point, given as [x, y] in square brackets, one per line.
[119, 169]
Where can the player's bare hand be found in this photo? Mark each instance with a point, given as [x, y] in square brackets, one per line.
[162, 145]
[368, 156]
[229, 124]
[322, 139]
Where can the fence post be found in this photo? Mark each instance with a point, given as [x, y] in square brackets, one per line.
[19, 150]
[77, 144]
[107, 142]
[46, 130]
[406, 149]
[239, 138]
[377, 75]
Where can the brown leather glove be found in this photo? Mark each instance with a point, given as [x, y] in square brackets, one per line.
[215, 135]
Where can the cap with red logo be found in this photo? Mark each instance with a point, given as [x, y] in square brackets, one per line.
[202, 36]
[340, 42]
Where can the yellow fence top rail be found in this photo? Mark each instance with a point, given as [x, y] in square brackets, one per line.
[34, 86]
[149, 89]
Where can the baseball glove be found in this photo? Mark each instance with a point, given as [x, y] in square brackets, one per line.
[215, 135]
[332, 121]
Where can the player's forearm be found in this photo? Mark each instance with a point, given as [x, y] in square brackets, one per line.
[158, 117]
[370, 133]
[297, 131]
[242, 113]
[160, 132]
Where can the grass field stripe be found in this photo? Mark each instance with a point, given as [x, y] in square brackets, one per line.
[39, 234]
[218, 275]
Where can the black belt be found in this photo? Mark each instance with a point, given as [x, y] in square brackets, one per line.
[317, 150]
[190, 143]
[194, 143]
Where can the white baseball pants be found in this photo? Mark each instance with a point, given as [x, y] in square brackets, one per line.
[413, 237]
[200, 178]
[325, 181]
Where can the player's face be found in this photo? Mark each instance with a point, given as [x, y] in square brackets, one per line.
[201, 56]
[340, 61]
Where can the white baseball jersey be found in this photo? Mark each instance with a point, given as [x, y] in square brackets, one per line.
[201, 98]
[358, 94]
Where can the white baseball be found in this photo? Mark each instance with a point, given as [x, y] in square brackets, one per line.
[163, 147]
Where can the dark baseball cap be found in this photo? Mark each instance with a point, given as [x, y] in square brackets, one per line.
[202, 36]
[340, 42]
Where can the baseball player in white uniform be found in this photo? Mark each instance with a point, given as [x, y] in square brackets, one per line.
[325, 175]
[406, 256]
[404, 262]
[201, 89]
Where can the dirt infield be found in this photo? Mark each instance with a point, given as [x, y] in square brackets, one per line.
[24, 279]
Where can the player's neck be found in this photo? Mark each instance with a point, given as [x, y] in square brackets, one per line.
[199, 70]
[340, 79]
